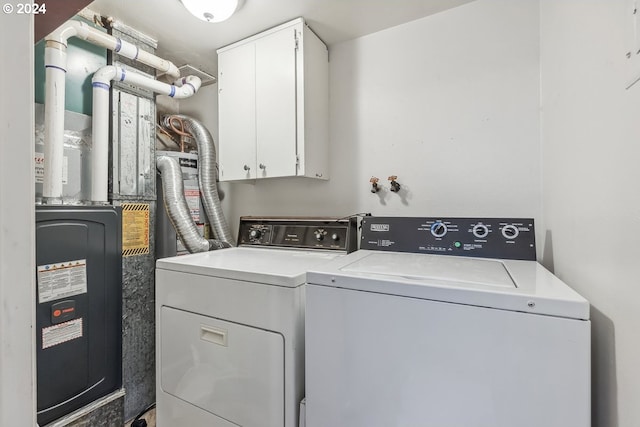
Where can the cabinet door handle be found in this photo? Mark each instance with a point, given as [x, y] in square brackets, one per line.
[246, 167]
[263, 166]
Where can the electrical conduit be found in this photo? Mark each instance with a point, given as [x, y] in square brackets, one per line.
[101, 81]
[56, 68]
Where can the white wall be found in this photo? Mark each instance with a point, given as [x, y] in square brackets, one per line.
[449, 103]
[591, 197]
[17, 219]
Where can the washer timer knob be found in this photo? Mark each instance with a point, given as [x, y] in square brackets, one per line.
[480, 231]
[438, 229]
[255, 234]
[510, 231]
[320, 234]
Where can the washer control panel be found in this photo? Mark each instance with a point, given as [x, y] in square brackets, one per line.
[338, 234]
[505, 238]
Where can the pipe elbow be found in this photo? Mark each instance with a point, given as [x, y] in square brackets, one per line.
[63, 33]
[105, 74]
[187, 86]
[172, 71]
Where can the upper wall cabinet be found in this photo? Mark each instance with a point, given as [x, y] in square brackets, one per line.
[273, 95]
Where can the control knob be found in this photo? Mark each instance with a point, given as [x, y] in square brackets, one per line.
[320, 235]
[480, 231]
[510, 231]
[255, 234]
[438, 229]
[335, 237]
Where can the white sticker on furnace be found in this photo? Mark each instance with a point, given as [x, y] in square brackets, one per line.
[61, 333]
[39, 168]
[62, 280]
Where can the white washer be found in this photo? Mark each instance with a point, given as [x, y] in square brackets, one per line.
[417, 339]
[230, 325]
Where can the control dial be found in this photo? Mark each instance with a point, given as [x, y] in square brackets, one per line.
[480, 231]
[319, 233]
[510, 231]
[438, 229]
[335, 237]
[255, 234]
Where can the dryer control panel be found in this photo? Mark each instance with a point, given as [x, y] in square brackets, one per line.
[505, 238]
[338, 234]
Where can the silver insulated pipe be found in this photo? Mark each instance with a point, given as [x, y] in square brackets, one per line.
[207, 174]
[178, 210]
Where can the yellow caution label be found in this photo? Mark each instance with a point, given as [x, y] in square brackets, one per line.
[135, 229]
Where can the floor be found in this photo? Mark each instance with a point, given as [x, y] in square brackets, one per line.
[150, 417]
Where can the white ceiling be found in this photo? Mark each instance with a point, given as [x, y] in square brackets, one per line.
[184, 39]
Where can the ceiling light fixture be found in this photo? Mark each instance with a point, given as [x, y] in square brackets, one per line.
[211, 10]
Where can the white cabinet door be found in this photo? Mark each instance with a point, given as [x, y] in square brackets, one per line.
[273, 105]
[276, 104]
[237, 113]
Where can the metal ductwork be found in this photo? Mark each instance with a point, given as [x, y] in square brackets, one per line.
[178, 211]
[207, 174]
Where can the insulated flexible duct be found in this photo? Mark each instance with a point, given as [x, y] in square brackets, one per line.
[178, 210]
[207, 174]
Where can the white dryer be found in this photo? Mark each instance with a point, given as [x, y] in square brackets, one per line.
[418, 330]
[230, 324]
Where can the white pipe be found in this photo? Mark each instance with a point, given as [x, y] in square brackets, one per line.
[54, 103]
[122, 47]
[101, 82]
[55, 73]
[100, 136]
[181, 88]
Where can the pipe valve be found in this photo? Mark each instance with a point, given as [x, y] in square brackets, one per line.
[374, 184]
[395, 187]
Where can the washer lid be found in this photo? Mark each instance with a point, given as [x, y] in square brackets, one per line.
[485, 272]
[279, 267]
[504, 284]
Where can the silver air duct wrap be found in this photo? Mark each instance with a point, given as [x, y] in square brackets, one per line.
[207, 175]
[178, 210]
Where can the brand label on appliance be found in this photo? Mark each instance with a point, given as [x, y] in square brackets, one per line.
[379, 227]
[188, 163]
[62, 280]
[61, 333]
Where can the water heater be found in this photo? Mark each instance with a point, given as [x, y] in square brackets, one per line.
[167, 242]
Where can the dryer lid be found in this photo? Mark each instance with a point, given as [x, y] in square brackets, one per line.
[279, 267]
[503, 284]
